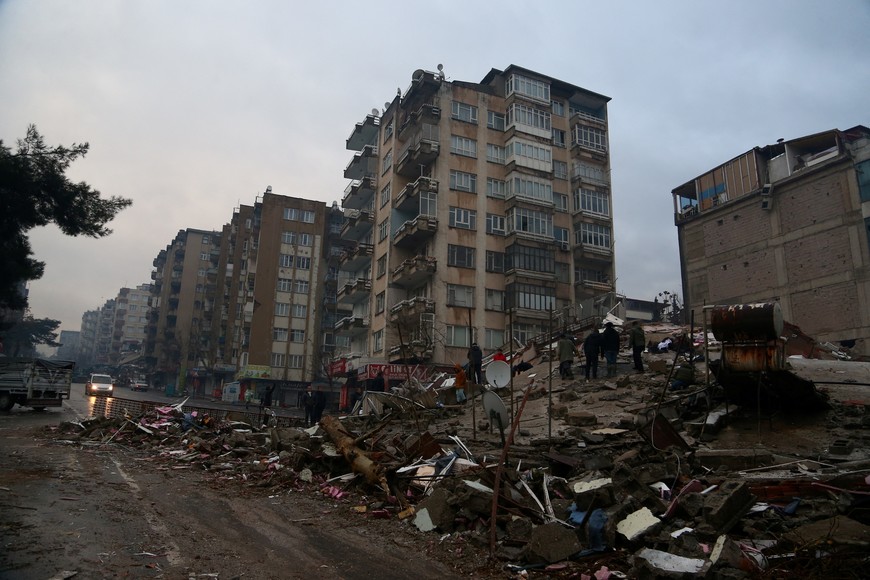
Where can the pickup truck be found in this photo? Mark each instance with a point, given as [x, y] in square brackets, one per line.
[34, 382]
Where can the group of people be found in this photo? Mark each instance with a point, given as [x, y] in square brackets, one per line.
[600, 345]
[313, 402]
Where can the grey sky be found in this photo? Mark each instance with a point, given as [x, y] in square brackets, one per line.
[192, 108]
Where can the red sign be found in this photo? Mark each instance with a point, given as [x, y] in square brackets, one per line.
[338, 367]
[394, 372]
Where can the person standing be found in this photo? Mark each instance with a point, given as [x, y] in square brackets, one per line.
[308, 404]
[637, 341]
[592, 349]
[266, 401]
[475, 364]
[610, 346]
[565, 350]
[319, 405]
[459, 383]
[378, 383]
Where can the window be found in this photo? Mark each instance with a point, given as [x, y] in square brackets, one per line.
[303, 263]
[429, 204]
[463, 146]
[301, 287]
[596, 202]
[380, 301]
[305, 240]
[203, 256]
[308, 217]
[594, 235]
[284, 284]
[378, 340]
[494, 300]
[495, 153]
[561, 201]
[277, 359]
[462, 181]
[385, 194]
[589, 275]
[382, 266]
[294, 361]
[388, 131]
[531, 151]
[530, 296]
[279, 334]
[559, 138]
[291, 213]
[558, 108]
[282, 309]
[532, 88]
[591, 173]
[285, 261]
[205, 240]
[387, 162]
[297, 335]
[560, 170]
[519, 257]
[560, 234]
[495, 262]
[493, 338]
[288, 238]
[463, 218]
[530, 117]
[495, 120]
[460, 295]
[383, 230]
[495, 224]
[495, 188]
[460, 256]
[300, 311]
[863, 171]
[464, 112]
[458, 336]
[200, 273]
[529, 221]
[590, 137]
[533, 189]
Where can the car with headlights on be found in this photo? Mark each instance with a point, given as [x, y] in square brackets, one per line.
[100, 385]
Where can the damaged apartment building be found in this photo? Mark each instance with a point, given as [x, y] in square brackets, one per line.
[788, 223]
[473, 211]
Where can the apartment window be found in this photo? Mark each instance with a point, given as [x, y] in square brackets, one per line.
[495, 120]
[463, 218]
[590, 172]
[463, 146]
[863, 171]
[529, 87]
[282, 309]
[560, 170]
[493, 338]
[532, 189]
[519, 257]
[590, 137]
[387, 162]
[291, 213]
[381, 266]
[308, 217]
[383, 229]
[380, 301]
[558, 108]
[301, 287]
[594, 235]
[529, 116]
[464, 112]
[303, 263]
[460, 295]
[203, 256]
[495, 153]
[284, 284]
[495, 262]
[285, 261]
[495, 188]
[295, 361]
[589, 275]
[279, 334]
[429, 204]
[288, 238]
[495, 224]
[305, 240]
[385, 194]
[561, 201]
[378, 340]
[462, 181]
[596, 202]
[388, 130]
[531, 296]
[278, 359]
[560, 234]
[458, 336]
[297, 335]
[205, 239]
[529, 221]
[300, 311]
[200, 273]
[531, 151]
[460, 256]
[494, 300]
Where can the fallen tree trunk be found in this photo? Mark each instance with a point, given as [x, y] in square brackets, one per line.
[357, 458]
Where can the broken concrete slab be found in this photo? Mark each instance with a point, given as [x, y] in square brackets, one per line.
[552, 542]
[836, 530]
[580, 418]
[649, 563]
[733, 459]
[637, 523]
[724, 506]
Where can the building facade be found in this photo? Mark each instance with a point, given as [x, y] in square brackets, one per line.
[788, 223]
[474, 212]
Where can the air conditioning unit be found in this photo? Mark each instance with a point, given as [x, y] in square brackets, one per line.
[767, 196]
[564, 246]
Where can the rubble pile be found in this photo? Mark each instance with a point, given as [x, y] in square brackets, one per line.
[609, 478]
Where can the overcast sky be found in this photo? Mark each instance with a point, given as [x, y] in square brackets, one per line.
[192, 108]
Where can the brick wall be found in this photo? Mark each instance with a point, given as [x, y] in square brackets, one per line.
[752, 273]
[826, 309]
[746, 225]
[818, 256]
[812, 202]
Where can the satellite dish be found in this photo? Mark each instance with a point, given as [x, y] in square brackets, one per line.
[494, 408]
[386, 105]
[375, 112]
[498, 372]
[440, 67]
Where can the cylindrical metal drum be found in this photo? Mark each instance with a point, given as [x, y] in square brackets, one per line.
[747, 322]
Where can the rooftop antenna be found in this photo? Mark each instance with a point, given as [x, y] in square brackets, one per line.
[375, 112]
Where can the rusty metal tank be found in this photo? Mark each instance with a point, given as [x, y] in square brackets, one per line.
[747, 322]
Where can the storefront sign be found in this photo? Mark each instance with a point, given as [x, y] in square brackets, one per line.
[394, 372]
[255, 372]
[338, 367]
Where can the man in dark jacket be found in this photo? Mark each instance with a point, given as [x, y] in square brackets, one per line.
[592, 349]
[475, 363]
[610, 345]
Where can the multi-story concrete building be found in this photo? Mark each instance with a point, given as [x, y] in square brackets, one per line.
[131, 320]
[87, 340]
[69, 345]
[789, 223]
[475, 210]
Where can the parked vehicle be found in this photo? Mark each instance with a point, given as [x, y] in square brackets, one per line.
[100, 385]
[138, 385]
[33, 382]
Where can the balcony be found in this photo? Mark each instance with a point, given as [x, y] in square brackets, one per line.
[409, 198]
[354, 258]
[415, 232]
[355, 291]
[424, 84]
[352, 325]
[426, 113]
[587, 119]
[412, 349]
[363, 163]
[364, 133]
[594, 286]
[414, 271]
[357, 224]
[359, 193]
[412, 308]
[593, 253]
[421, 151]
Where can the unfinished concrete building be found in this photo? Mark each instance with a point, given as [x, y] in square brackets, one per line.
[790, 223]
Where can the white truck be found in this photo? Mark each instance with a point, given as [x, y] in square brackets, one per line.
[34, 382]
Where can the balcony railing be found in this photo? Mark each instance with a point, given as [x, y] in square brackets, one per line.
[409, 198]
[414, 271]
[364, 132]
[415, 231]
[412, 307]
[355, 291]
